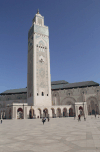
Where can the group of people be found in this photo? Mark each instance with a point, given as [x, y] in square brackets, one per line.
[79, 117]
[44, 119]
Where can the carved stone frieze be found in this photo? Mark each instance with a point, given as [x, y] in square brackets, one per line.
[69, 93]
[80, 98]
[68, 100]
[97, 90]
[42, 67]
[83, 91]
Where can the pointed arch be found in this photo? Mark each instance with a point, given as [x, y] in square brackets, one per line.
[68, 100]
[41, 43]
[55, 98]
[92, 105]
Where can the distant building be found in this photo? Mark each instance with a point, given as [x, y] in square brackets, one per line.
[42, 97]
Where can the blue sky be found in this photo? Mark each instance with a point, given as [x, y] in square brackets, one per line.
[74, 28]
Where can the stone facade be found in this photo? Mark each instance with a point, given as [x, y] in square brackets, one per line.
[40, 100]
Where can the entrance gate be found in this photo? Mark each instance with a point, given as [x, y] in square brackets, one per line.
[20, 113]
[70, 112]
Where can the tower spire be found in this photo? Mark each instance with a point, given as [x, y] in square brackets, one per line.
[38, 11]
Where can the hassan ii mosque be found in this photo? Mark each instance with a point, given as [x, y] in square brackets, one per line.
[41, 97]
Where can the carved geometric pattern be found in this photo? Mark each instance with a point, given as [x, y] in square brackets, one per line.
[42, 67]
[42, 85]
[80, 98]
[55, 98]
[97, 90]
[83, 91]
[69, 93]
[42, 72]
[39, 21]
[68, 100]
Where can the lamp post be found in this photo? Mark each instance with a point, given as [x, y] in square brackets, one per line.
[83, 105]
[23, 110]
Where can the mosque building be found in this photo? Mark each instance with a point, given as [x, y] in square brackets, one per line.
[41, 97]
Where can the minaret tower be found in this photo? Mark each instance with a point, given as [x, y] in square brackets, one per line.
[38, 76]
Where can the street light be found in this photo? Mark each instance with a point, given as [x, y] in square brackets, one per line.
[83, 105]
[23, 110]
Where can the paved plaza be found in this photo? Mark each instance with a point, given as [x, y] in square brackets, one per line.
[57, 135]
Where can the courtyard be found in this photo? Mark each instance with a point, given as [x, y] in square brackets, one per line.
[57, 135]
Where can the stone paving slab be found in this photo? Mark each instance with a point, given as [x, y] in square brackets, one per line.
[57, 135]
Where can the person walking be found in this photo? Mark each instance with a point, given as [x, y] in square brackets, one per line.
[1, 121]
[43, 120]
[48, 119]
[95, 115]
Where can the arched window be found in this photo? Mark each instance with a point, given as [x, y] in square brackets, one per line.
[42, 93]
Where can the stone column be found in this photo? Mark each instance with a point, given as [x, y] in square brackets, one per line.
[50, 112]
[14, 113]
[86, 110]
[99, 106]
[68, 112]
[1, 115]
[37, 112]
[25, 113]
[62, 111]
[76, 110]
[41, 111]
[4, 114]
[55, 111]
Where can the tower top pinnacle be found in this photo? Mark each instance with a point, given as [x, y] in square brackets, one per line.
[38, 11]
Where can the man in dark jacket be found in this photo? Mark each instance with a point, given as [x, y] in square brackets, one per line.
[43, 120]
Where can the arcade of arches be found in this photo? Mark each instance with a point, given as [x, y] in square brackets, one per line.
[69, 108]
[55, 112]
